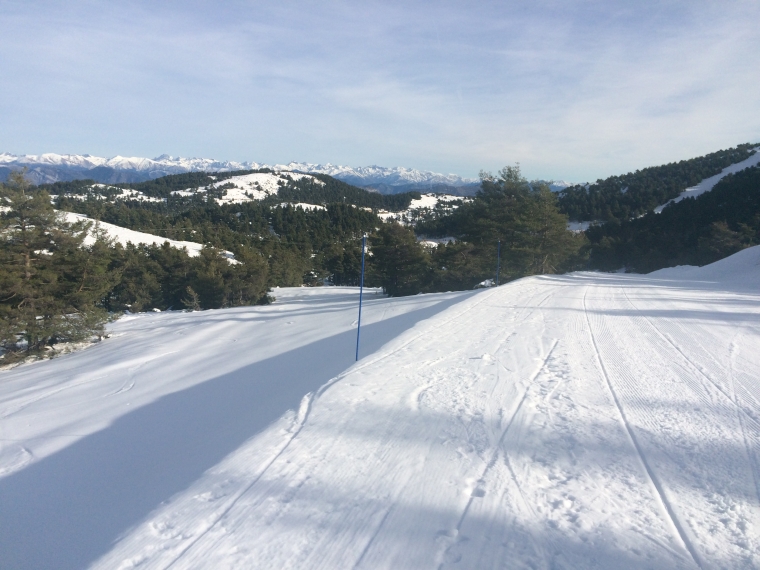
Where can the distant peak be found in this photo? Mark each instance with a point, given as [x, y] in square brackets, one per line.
[51, 167]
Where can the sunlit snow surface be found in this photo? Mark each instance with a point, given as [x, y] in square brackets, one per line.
[125, 236]
[580, 421]
[249, 187]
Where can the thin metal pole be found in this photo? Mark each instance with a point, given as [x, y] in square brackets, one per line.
[361, 290]
[498, 261]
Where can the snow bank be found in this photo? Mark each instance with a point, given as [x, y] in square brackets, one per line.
[741, 268]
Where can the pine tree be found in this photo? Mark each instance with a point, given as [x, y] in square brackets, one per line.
[51, 289]
[398, 261]
[192, 301]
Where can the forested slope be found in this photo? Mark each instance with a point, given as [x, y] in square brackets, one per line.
[634, 194]
[694, 231]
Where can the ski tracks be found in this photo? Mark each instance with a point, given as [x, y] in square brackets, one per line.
[478, 492]
[210, 522]
[300, 421]
[656, 485]
[502, 432]
[729, 397]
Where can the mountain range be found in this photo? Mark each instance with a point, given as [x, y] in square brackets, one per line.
[52, 167]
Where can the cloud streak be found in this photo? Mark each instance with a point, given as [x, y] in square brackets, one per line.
[575, 90]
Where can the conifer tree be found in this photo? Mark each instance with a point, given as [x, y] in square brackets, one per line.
[51, 289]
[398, 262]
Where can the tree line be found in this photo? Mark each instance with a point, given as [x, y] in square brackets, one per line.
[315, 189]
[694, 231]
[59, 281]
[523, 216]
[628, 196]
[57, 284]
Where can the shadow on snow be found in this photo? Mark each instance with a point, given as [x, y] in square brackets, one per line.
[68, 509]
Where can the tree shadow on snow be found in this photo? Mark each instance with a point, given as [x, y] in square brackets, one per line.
[68, 509]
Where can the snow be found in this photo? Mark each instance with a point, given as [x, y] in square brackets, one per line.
[123, 194]
[124, 236]
[743, 268]
[709, 183]
[578, 227]
[559, 185]
[166, 164]
[435, 242]
[430, 201]
[578, 421]
[427, 202]
[302, 205]
[369, 175]
[248, 187]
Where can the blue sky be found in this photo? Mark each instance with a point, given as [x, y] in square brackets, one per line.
[571, 90]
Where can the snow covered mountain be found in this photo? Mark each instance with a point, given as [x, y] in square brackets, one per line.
[51, 167]
[708, 184]
[386, 180]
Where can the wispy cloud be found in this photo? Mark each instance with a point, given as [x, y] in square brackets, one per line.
[569, 89]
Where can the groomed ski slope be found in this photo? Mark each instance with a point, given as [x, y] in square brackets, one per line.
[580, 421]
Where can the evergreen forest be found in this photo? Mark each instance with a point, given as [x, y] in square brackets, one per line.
[634, 194]
[61, 281]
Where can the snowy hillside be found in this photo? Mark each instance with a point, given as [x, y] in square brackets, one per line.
[248, 187]
[125, 235]
[441, 203]
[51, 167]
[579, 421]
[709, 183]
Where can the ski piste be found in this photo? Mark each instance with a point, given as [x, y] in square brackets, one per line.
[587, 420]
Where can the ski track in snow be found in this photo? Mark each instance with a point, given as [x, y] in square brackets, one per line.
[656, 484]
[557, 422]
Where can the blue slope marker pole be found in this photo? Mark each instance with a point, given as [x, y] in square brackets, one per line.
[361, 289]
[498, 260]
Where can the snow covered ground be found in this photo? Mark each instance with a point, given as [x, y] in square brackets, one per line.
[579, 421]
[426, 204]
[98, 192]
[125, 235]
[249, 187]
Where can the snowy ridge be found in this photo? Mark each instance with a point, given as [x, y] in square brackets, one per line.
[248, 187]
[125, 236]
[51, 167]
[424, 205]
[369, 175]
[163, 163]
